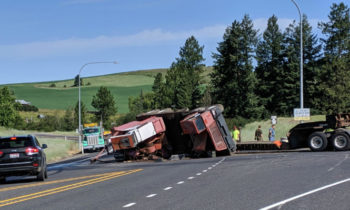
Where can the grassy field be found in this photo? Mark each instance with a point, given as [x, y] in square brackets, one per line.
[284, 124]
[58, 149]
[63, 95]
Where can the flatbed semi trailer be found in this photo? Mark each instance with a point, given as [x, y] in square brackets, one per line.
[331, 134]
[322, 135]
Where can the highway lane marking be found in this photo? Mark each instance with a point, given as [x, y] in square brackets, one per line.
[304, 194]
[151, 195]
[63, 188]
[180, 182]
[209, 168]
[57, 181]
[339, 163]
[128, 205]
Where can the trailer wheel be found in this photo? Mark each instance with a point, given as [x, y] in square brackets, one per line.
[340, 141]
[317, 141]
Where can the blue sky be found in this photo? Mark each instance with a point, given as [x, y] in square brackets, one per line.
[43, 40]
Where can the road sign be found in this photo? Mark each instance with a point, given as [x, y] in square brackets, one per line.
[273, 120]
[302, 114]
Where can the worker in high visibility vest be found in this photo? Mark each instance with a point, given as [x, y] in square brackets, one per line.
[235, 133]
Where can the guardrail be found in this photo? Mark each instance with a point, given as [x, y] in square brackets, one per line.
[53, 136]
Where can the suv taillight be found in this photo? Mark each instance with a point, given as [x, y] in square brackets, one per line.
[32, 150]
[1, 153]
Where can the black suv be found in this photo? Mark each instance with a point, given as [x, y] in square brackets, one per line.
[22, 155]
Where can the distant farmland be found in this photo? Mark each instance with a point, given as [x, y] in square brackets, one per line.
[62, 96]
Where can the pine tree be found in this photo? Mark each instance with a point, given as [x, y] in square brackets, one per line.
[104, 102]
[269, 71]
[311, 56]
[335, 71]
[183, 80]
[76, 81]
[233, 79]
[157, 88]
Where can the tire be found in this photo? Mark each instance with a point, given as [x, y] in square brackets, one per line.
[45, 173]
[317, 141]
[340, 141]
[2, 180]
[41, 175]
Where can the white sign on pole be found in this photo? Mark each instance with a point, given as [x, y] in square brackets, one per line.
[302, 114]
[273, 120]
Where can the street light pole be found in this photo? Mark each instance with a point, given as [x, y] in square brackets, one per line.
[80, 126]
[301, 57]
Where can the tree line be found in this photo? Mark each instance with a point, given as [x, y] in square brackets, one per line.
[257, 75]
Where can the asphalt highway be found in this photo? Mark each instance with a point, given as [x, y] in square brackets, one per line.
[297, 180]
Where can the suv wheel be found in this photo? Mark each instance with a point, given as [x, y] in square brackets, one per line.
[2, 180]
[41, 175]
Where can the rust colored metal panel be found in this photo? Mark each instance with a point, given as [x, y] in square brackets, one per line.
[192, 124]
[123, 142]
[158, 124]
[214, 131]
[125, 127]
[200, 142]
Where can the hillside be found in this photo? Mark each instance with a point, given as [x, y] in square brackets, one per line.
[63, 95]
[122, 85]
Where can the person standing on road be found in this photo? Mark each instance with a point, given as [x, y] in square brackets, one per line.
[272, 133]
[235, 133]
[259, 134]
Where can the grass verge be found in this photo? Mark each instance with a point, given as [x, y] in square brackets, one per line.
[58, 148]
[284, 124]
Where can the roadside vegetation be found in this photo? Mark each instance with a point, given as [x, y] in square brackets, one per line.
[58, 148]
[284, 124]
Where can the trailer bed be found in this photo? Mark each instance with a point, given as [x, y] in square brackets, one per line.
[257, 145]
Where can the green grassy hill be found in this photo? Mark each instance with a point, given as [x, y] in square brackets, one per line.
[62, 96]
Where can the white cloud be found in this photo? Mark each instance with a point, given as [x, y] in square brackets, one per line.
[144, 38]
[76, 45]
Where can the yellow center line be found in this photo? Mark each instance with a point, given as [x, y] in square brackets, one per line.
[57, 181]
[63, 188]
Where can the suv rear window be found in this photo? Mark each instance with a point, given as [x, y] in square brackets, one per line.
[15, 142]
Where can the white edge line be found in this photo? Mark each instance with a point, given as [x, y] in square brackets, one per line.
[304, 194]
[128, 205]
[198, 174]
[181, 182]
[204, 171]
[191, 177]
[151, 195]
[167, 188]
